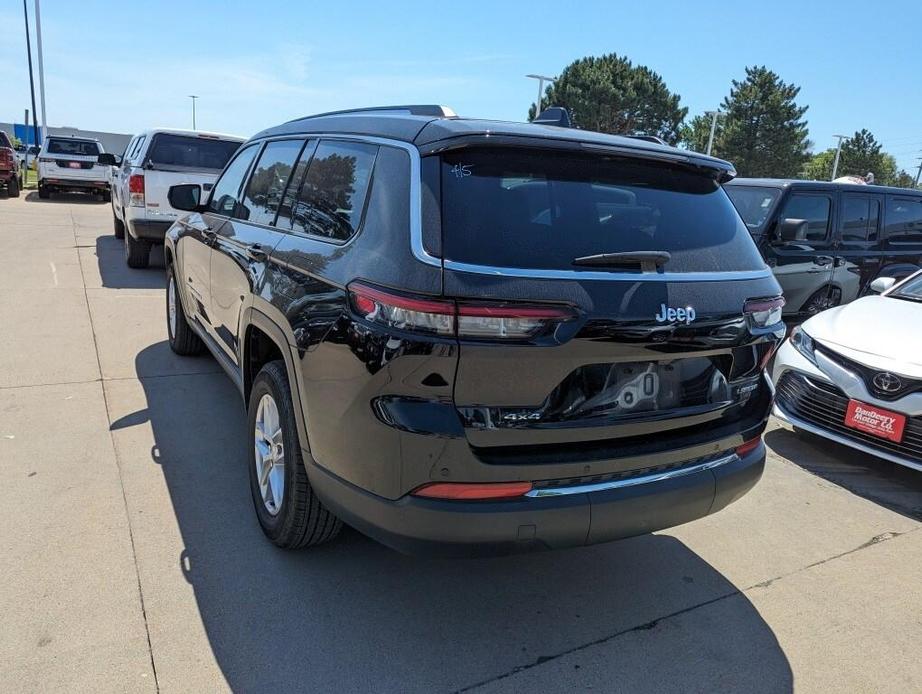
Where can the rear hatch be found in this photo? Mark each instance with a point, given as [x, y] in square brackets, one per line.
[173, 159]
[621, 287]
[68, 158]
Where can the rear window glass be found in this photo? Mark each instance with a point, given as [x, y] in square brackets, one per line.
[541, 210]
[74, 148]
[191, 152]
[753, 203]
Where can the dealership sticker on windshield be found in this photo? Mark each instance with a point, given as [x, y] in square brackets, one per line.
[875, 420]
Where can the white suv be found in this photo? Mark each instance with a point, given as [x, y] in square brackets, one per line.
[70, 164]
[155, 160]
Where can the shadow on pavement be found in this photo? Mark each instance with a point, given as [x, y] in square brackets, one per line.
[356, 616]
[115, 273]
[893, 486]
[70, 198]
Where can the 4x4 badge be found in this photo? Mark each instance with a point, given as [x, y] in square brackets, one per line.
[671, 315]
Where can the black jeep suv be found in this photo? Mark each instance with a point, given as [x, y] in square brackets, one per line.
[467, 336]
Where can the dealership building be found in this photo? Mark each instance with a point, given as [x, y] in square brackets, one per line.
[111, 142]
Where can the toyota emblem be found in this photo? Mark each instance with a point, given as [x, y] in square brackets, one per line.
[887, 382]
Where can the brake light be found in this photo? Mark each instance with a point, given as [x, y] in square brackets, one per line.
[136, 190]
[749, 446]
[463, 491]
[456, 318]
[764, 312]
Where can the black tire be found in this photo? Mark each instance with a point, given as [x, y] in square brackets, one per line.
[302, 520]
[12, 188]
[43, 192]
[118, 226]
[137, 252]
[822, 299]
[183, 340]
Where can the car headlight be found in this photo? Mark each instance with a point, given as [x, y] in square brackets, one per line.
[803, 343]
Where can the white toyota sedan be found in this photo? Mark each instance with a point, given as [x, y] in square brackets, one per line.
[853, 373]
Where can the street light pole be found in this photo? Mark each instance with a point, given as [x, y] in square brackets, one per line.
[541, 80]
[25, 13]
[41, 67]
[193, 97]
[835, 164]
[714, 115]
[918, 174]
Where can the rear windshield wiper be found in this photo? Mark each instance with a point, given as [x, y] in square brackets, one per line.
[647, 261]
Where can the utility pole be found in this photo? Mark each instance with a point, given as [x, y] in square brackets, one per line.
[918, 174]
[835, 164]
[41, 68]
[541, 80]
[193, 97]
[714, 115]
[25, 13]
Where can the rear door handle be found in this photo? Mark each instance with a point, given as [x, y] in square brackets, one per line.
[208, 234]
[823, 259]
[256, 252]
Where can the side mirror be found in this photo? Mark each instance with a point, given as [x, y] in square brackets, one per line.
[186, 196]
[882, 284]
[792, 230]
[109, 159]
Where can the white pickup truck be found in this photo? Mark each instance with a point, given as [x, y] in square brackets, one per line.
[153, 161]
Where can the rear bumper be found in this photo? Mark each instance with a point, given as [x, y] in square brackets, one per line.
[415, 525]
[75, 183]
[148, 229]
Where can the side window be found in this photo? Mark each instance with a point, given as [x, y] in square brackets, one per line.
[289, 199]
[132, 156]
[813, 208]
[224, 194]
[332, 198]
[860, 217]
[267, 183]
[904, 220]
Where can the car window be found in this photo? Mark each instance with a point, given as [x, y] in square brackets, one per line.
[138, 146]
[289, 198]
[198, 152]
[332, 197]
[860, 216]
[224, 194]
[5, 141]
[753, 203]
[813, 208]
[74, 148]
[520, 208]
[904, 220]
[267, 183]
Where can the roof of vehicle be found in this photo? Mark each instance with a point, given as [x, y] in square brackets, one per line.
[191, 133]
[75, 138]
[821, 185]
[426, 125]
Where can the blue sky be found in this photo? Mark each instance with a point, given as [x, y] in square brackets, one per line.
[125, 66]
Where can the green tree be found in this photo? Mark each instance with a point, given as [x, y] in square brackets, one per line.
[861, 154]
[764, 133]
[610, 94]
[819, 168]
[904, 180]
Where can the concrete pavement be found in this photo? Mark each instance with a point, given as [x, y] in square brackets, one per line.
[131, 561]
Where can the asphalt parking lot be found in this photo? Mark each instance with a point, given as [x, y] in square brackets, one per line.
[131, 560]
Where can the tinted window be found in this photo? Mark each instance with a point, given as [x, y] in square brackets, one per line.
[542, 210]
[813, 208]
[332, 197]
[74, 148]
[904, 219]
[5, 141]
[267, 183]
[290, 197]
[753, 203]
[190, 152]
[224, 194]
[859, 218]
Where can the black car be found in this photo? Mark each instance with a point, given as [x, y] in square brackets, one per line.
[827, 242]
[467, 336]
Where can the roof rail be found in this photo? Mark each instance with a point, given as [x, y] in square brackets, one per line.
[433, 110]
[649, 138]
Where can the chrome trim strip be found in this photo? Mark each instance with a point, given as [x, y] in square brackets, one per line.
[597, 275]
[632, 481]
[826, 434]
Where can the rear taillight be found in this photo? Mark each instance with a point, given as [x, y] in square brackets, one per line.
[749, 446]
[763, 313]
[463, 491]
[136, 190]
[467, 320]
